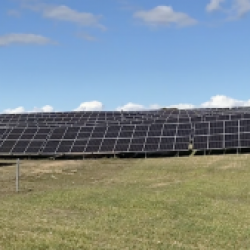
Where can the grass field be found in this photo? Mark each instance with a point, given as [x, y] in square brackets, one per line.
[166, 203]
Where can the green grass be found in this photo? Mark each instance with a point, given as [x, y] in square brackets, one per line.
[167, 203]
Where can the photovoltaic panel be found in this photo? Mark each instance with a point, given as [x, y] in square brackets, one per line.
[153, 140]
[136, 147]
[112, 134]
[92, 149]
[138, 140]
[83, 135]
[236, 116]
[151, 147]
[216, 144]
[77, 149]
[141, 128]
[216, 130]
[83, 126]
[231, 137]
[107, 148]
[232, 144]
[245, 143]
[121, 147]
[156, 127]
[154, 133]
[168, 132]
[97, 135]
[183, 133]
[217, 124]
[127, 134]
[244, 123]
[140, 133]
[246, 116]
[181, 146]
[200, 142]
[94, 142]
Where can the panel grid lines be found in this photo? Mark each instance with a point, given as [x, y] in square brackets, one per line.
[145, 140]
[141, 131]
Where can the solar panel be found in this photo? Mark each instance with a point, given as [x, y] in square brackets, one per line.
[168, 133]
[136, 147]
[144, 131]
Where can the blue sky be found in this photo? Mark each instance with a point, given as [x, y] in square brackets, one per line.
[119, 54]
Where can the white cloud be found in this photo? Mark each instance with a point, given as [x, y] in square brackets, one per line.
[46, 108]
[241, 7]
[155, 106]
[65, 13]
[182, 106]
[131, 107]
[90, 106]
[24, 39]
[18, 110]
[221, 101]
[214, 5]
[217, 101]
[238, 8]
[164, 15]
[138, 107]
[21, 109]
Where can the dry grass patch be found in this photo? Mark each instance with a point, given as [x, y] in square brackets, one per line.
[167, 203]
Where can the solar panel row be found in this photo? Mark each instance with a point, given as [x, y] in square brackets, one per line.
[112, 132]
[127, 138]
[143, 117]
[95, 146]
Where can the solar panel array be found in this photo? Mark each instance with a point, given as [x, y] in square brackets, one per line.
[159, 131]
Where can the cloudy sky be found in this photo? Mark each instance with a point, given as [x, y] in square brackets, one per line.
[121, 54]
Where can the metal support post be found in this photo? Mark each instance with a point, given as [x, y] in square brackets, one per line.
[17, 175]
